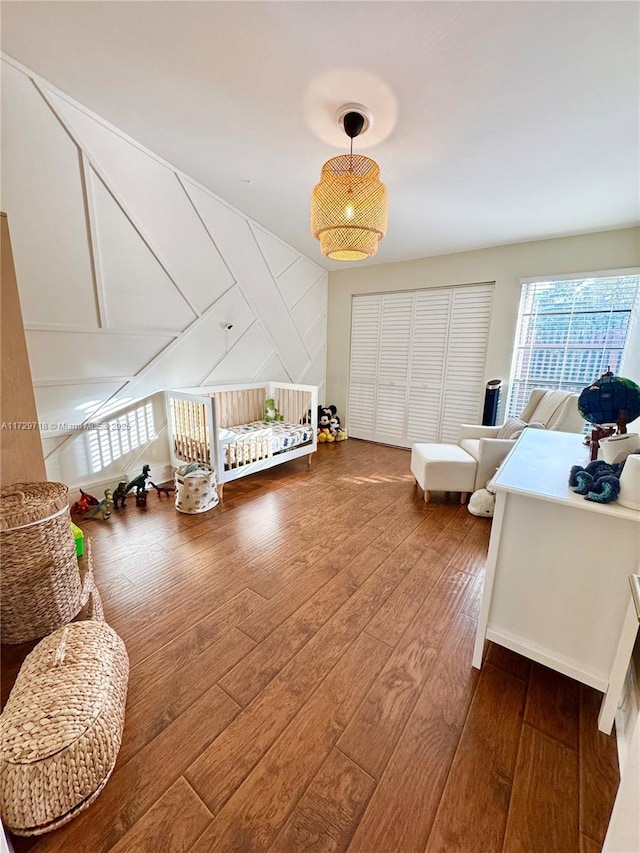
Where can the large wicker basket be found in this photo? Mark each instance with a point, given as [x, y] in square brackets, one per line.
[41, 581]
[61, 728]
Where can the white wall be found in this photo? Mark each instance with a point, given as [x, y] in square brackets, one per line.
[128, 270]
[505, 265]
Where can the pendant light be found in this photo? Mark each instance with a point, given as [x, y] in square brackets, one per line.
[349, 205]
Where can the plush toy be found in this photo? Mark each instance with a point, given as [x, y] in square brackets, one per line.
[599, 481]
[271, 414]
[336, 430]
[329, 428]
[482, 503]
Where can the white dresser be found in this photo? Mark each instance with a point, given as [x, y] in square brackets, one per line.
[556, 587]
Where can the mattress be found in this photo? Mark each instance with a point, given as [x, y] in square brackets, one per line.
[262, 438]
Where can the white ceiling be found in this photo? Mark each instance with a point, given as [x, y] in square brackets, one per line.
[500, 121]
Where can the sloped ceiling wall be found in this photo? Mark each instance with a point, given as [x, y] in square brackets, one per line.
[129, 271]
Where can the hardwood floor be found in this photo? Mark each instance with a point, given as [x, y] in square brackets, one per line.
[301, 680]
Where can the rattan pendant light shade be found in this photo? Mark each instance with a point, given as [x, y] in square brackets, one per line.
[349, 205]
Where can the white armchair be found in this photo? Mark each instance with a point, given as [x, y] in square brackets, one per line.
[557, 410]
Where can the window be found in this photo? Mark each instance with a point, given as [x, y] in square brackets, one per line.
[121, 435]
[570, 330]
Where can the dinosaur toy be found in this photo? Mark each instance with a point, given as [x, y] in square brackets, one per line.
[84, 504]
[163, 490]
[139, 483]
[104, 508]
[120, 494]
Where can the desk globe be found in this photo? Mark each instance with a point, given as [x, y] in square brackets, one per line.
[610, 400]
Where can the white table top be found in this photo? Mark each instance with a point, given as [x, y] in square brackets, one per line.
[539, 465]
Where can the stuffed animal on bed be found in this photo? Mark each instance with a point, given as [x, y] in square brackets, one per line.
[599, 481]
[271, 414]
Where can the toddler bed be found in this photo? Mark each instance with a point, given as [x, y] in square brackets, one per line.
[223, 426]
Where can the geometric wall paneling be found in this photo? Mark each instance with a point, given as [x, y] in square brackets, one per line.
[309, 310]
[137, 291]
[238, 246]
[271, 370]
[251, 350]
[314, 373]
[42, 195]
[55, 403]
[129, 271]
[298, 278]
[277, 254]
[151, 194]
[193, 355]
[317, 334]
[66, 355]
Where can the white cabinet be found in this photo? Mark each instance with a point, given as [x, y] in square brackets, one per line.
[556, 587]
[417, 363]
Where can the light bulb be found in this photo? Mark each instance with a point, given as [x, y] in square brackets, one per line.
[349, 211]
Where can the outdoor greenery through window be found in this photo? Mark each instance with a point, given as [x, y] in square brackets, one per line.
[570, 331]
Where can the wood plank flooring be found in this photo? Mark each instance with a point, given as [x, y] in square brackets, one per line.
[301, 681]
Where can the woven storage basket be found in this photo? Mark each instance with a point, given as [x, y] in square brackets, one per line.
[41, 583]
[61, 728]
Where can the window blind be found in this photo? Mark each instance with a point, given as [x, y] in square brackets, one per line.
[569, 332]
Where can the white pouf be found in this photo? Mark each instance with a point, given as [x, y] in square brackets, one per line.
[195, 489]
[443, 468]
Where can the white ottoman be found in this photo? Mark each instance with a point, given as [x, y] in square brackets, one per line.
[443, 468]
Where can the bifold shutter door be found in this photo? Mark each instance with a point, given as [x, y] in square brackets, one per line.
[465, 359]
[393, 367]
[363, 366]
[429, 346]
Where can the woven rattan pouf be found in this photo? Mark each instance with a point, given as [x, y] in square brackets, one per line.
[41, 581]
[61, 728]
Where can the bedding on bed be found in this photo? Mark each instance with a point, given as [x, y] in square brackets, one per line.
[249, 442]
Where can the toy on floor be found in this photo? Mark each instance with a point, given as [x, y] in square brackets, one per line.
[329, 428]
[84, 504]
[120, 494]
[599, 481]
[104, 508]
[139, 483]
[141, 498]
[482, 503]
[78, 537]
[163, 490]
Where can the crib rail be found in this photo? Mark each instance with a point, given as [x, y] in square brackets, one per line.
[240, 407]
[294, 404]
[189, 429]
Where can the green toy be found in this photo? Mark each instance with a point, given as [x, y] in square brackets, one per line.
[271, 414]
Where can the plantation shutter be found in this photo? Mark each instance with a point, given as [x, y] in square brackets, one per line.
[417, 363]
[393, 366]
[363, 369]
[429, 350]
[466, 358]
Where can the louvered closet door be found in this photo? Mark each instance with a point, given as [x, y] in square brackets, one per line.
[428, 353]
[363, 368]
[466, 358]
[393, 367]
